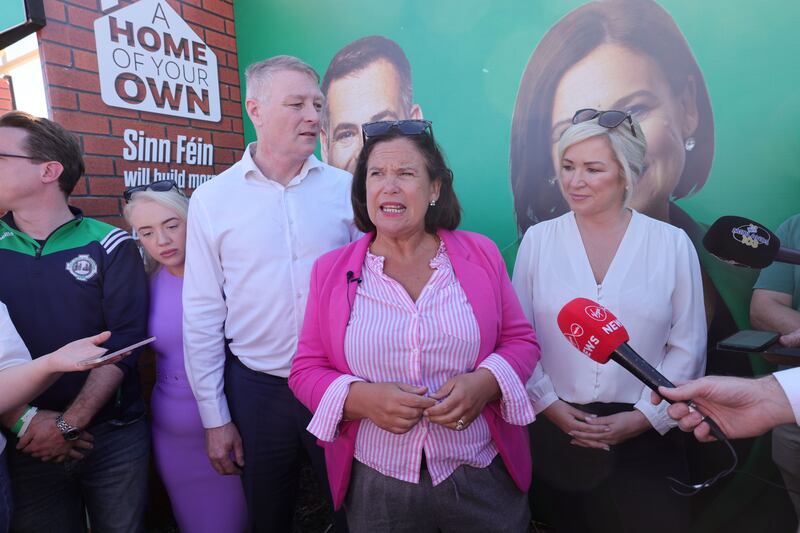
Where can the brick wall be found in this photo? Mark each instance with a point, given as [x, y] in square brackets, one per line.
[6, 95]
[68, 55]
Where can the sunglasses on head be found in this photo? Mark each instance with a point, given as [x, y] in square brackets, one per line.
[405, 127]
[608, 119]
[157, 186]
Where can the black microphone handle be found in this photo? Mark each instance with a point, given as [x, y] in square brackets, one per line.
[787, 255]
[631, 361]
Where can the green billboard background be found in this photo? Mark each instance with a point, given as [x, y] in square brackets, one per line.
[467, 58]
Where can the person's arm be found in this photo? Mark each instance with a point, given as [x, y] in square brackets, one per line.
[204, 315]
[26, 379]
[771, 310]
[685, 357]
[503, 374]
[741, 407]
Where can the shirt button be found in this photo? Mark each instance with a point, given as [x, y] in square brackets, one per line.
[299, 295]
[294, 257]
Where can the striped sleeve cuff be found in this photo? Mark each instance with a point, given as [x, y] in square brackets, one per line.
[514, 403]
[325, 423]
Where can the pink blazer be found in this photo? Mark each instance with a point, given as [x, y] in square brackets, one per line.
[504, 330]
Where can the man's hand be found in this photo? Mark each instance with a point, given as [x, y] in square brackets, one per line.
[44, 441]
[395, 407]
[224, 448]
[463, 398]
[741, 407]
[571, 420]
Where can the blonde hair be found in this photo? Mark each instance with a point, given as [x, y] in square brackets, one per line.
[172, 199]
[258, 75]
[629, 150]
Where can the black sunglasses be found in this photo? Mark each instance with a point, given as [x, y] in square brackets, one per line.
[608, 119]
[157, 186]
[20, 156]
[406, 127]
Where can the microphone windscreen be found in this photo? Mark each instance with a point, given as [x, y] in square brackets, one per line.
[591, 328]
[741, 241]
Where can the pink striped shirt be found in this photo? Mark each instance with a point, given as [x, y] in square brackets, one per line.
[422, 343]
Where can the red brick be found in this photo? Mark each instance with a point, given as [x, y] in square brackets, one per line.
[71, 78]
[82, 17]
[230, 28]
[68, 35]
[235, 94]
[55, 10]
[102, 145]
[81, 122]
[233, 59]
[80, 187]
[219, 40]
[205, 19]
[118, 127]
[228, 140]
[90, 4]
[223, 157]
[99, 166]
[96, 207]
[229, 75]
[92, 103]
[231, 108]
[107, 186]
[62, 98]
[85, 60]
[237, 125]
[221, 8]
[56, 54]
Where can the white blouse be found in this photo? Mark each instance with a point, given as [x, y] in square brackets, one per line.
[653, 286]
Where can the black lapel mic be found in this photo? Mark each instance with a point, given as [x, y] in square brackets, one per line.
[351, 277]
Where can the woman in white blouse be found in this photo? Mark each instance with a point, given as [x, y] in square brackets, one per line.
[601, 451]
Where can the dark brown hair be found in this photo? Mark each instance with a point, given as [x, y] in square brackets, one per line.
[48, 141]
[643, 27]
[446, 214]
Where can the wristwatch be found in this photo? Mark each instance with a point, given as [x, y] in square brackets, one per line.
[69, 432]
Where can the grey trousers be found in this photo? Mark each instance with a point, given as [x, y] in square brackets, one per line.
[472, 499]
[786, 454]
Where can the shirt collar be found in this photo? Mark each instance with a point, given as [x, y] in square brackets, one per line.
[439, 262]
[252, 171]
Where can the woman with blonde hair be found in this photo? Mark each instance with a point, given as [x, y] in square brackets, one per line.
[202, 500]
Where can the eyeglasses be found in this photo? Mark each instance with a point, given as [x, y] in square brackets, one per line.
[157, 186]
[20, 156]
[608, 119]
[405, 127]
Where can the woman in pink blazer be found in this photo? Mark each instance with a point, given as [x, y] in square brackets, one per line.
[414, 354]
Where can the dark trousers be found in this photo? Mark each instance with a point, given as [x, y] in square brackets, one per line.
[5, 495]
[624, 490]
[272, 424]
[111, 481]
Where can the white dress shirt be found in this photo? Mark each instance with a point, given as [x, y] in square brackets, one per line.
[789, 380]
[653, 286]
[12, 350]
[250, 246]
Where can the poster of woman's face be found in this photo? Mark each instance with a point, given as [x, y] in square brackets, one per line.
[618, 54]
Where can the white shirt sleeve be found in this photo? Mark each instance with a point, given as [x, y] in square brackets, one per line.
[539, 387]
[685, 357]
[12, 350]
[789, 380]
[204, 314]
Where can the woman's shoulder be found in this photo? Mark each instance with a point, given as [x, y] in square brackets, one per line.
[658, 227]
[330, 260]
[550, 227]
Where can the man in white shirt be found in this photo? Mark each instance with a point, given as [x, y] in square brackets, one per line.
[254, 233]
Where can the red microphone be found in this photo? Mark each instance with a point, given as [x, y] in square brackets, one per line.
[596, 332]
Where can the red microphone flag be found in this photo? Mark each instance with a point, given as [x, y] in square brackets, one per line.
[591, 328]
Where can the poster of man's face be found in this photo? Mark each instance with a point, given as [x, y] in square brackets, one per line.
[368, 80]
